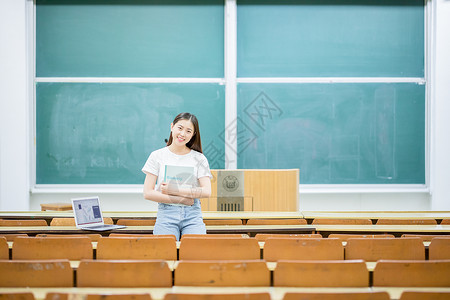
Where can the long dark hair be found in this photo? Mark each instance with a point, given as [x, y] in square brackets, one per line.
[195, 143]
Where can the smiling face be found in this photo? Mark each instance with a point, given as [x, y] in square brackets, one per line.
[182, 132]
[185, 132]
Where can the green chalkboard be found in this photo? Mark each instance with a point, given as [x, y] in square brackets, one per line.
[129, 38]
[330, 38]
[97, 133]
[342, 133]
[335, 133]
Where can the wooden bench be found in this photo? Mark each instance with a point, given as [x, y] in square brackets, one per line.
[345, 237]
[276, 222]
[129, 273]
[261, 237]
[56, 206]
[11, 236]
[23, 223]
[136, 222]
[247, 273]
[94, 237]
[4, 248]
[412, 273]
[218, 248]
[35, 273]
[215, 235]
[150, 247]
[373, 249]
[406, 222]
[72, 248]
[218, 296]
[115, 234]
[321, 274]
[222, 221]
[303, 249]
[341, 221]
[100, 296]
[338, 296]
[425, 237]
[439, 248]
[17, 296]
[71, 221]
[418, 295]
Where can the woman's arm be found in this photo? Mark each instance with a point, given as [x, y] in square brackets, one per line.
[151, 194]
[203, 191]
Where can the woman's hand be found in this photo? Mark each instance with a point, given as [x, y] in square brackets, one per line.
[174, 194]
[164, 188]
[186, 201]
[203, 191]
[167, 189]
[163, 196]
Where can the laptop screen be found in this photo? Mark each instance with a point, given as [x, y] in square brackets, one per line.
[87, 211]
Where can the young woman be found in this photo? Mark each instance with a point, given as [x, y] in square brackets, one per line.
[179, 210]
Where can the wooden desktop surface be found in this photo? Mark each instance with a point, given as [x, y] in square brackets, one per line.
[241, 214]
[261, 244]
[271, 265]
[149, 229]
[276, 293]
[374, 215]
[152, 214]
[397, 230]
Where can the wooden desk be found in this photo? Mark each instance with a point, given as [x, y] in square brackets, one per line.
[56, 206]
[259, 189]
[252, 230]
[276, 293]
[178, 243]
[325, 230]
[241, 229]
[243, 215]
[396, 230]
[375, 215]
[248, 214]
[49, 215]
[115, 215]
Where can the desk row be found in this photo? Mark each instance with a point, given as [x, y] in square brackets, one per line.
[237, 273]
[260, 237]
[70, 221]
[244, 216]
[220, 293]
[178, 244]
[228, 248]
[251, 230]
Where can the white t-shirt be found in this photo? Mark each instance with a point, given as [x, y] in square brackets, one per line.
[158, 159]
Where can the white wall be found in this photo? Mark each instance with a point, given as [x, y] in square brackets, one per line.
[15, 133]
[440, 174]
[365, 202]
[14, 121]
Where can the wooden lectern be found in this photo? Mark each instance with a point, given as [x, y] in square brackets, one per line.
[253, 190]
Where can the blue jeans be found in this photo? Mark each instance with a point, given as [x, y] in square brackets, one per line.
[179, 220]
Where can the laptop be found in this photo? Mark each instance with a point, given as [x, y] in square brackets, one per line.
[88, 215]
